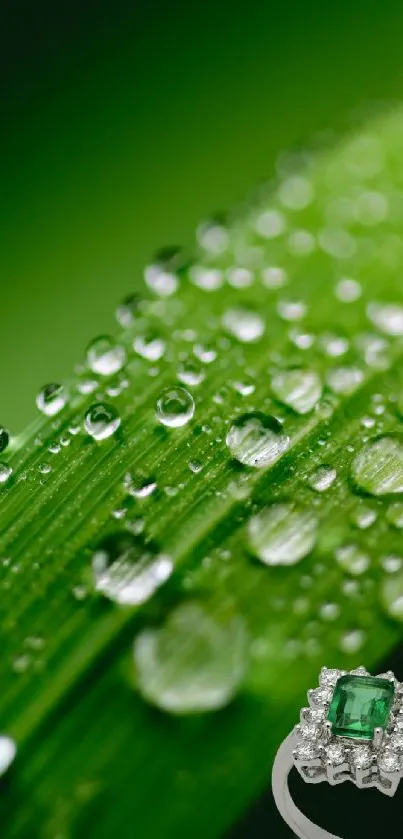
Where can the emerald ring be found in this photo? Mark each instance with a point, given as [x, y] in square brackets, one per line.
[351, 731]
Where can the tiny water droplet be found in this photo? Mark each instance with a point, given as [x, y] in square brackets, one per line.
[378, 468]
[139, 486]
[239, 277]
[244, 324]
[205, 353]
[195, 466]
[348, 290]
[274, 277]
[333, 345]
[51, 399]
[344, 379]
[127, 570]
[5, 472]
[128, 311]
[352, 641]
[44, 468]
[364, 517]
[353, 560]
[189, 373]
[291, 310]
[387, 317]
[322, 478]
[297, 388]
[329, 611]
[391, 563]
[175, 407]
[394, 515]
[150, 346]
[101, 420]
[296, 192]
[213, 236]
[196, 662]
[256, 439]
[282, 534]
[270, 224]
[392, 596]
[4, 439]
[163, 275]
[8, 751]
[104, 356]
[209, 279]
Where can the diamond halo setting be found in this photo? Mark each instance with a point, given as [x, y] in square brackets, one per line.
[352, 730]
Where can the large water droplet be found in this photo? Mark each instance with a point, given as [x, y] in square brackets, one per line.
[353, 560]
[8, 751]
[175, 407]
[128, 571]
[101, 420]
[378, 468]
[244, 324]
[4, 439]
[388, 317]
[5, 472]
[256, 439]
[51, 399]
[298, 388]
[282, 534]
[195, 662]
[104, 356]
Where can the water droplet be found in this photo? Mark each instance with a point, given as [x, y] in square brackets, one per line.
[298, 388]
[175, 407]
[256, 439]
[296, 193]
[371, 208]
[348, 290]
[353, 560]
[150, 346]
[139, 486]
[337, 242]
[378, 468]
[392, 596]
[44, 468]
[274, 277]
[213, 236]
[51, 399]
[291, 309]
[86, 386]
[364, 157]
[163, 275]
[344, 379]
[8, 751]
[352, 641]
[391, 563]
[128, 571]
[195, 662]
[189, 373]
[329, 611]
[322, 478]
[209, 279]
[239, 277]
[364, 517]
[101, 420]
[205, 353]
[4, 439]
[128, 311]
[394, 515]
[333, 345]
[104, 356]
[244, 324]
[388, 317]
[301, 243]
[270, 224]
[282, 534]
[5, 472]
[195, 466]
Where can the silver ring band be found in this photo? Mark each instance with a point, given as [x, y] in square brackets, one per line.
[299, 824]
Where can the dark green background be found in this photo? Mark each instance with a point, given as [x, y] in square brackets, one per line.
[124, 124]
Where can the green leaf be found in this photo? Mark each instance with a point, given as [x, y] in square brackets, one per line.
[226, 429]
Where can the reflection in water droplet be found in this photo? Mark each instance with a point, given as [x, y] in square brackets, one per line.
[4, 439]
[256, 439]
[195, 662]
[189, 373]
[150, 346]
[8, 751]
[128, 571]
[394, 515]
[297, 388]
[392, 596]
[104, 356]
[51, 399]
[101, 420]
[175, 407]
[5, 472]
[344, 379]
[244, 324]
[322, 478]
[378, 468]
[353, 560]
[388, 317]
[282, 534]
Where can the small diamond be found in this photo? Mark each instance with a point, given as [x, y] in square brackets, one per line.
[329, 677]
[398, 724]
[335, 754]
[389, 676]
[361, 757]
[396, 741]
[320, 696]
[306, 751]
[309, 731]
[359, 671]
[389, 762]
[314, 715]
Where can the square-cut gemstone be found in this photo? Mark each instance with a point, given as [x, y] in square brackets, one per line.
[359, 705]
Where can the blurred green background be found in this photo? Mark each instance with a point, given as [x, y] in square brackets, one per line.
[124, 124]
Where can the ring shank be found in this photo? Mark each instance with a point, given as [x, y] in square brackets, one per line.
[300, 824]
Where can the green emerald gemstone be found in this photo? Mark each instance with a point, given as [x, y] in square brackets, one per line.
[359, 705]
